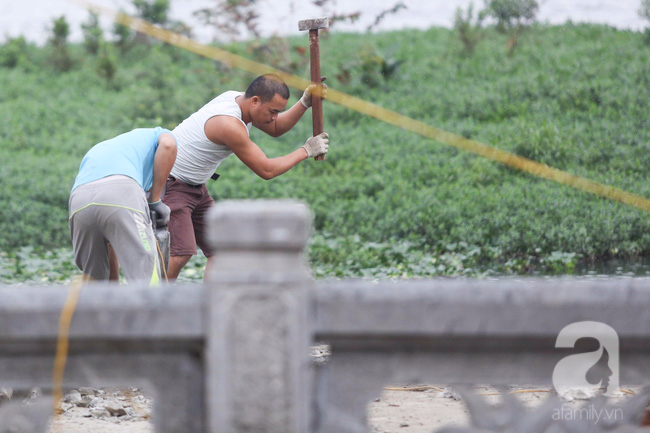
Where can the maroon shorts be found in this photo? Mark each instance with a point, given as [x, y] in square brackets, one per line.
[187, 226]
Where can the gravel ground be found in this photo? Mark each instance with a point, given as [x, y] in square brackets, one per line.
[403, 409]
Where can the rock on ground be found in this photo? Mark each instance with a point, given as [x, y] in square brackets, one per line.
[420, 409]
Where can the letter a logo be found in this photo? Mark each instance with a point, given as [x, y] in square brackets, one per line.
[571, 371]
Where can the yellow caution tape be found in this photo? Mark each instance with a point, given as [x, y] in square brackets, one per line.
[62, 341]
[369, 109]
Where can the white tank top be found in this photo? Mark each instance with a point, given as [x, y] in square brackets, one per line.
[197, 157]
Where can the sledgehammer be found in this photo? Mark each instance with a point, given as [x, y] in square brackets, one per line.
[313, 26]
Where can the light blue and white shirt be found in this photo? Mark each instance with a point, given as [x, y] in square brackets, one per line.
[130, 154]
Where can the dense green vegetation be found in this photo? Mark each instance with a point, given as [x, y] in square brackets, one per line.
[386, 202]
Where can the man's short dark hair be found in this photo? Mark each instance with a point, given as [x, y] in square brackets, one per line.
[266, 87]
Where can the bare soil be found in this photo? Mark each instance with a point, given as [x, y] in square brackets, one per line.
[416, 409]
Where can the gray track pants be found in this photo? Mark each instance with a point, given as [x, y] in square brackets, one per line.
[113, 209]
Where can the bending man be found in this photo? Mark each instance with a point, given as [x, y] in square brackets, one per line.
[108, 203]
[219, 129]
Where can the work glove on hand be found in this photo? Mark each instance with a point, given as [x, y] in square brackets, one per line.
[306, 97]
[317, 145]
[162, 213]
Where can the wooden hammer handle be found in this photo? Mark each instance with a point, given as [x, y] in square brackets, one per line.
[316, 100]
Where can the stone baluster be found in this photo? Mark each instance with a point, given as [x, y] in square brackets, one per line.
[257, 354]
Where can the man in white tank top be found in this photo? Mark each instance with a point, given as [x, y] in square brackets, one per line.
[219, 129]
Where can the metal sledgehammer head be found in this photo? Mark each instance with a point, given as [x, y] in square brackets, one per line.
[313, 24]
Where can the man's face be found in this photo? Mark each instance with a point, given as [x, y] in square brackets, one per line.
[264, 113]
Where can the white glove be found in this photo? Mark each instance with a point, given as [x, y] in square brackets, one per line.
[317, 145]
[306, 97]
[162, 213]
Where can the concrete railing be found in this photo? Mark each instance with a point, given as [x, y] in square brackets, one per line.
[236, 349]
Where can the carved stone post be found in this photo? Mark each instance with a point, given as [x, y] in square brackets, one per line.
[257, 357]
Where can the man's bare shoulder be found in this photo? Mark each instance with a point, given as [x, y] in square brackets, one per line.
[225, 130]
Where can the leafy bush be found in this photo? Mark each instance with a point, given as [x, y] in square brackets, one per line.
[107, 65]
[154, 11]
[26, 264]
[13, 53]
[93, 34]
[544, 144]
[469, 29]
[60, 56]
[644, 12]
[386, 202]
[511, 13]
[371, 68]
[123, 37]
[512, 16]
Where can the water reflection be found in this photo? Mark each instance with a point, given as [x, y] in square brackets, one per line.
[636, 267]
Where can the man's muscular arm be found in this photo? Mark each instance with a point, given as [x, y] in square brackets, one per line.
[163, 162]
[230, 132]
